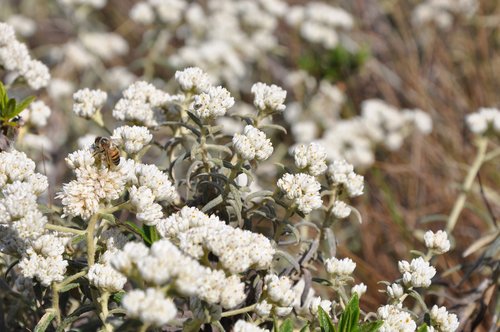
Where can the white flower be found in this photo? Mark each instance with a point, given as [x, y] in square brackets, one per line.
[132, 138]
[106, 45]
[317, 302]
[37, 114]
[7, 34]
[242, 326]
[438, 242]
[359, 289]
[193, 79]
[480, 121]
[87, 102]
[36, 74]
[268, 98]
[303, 189]
[45, 269]
[213, 103]
[312, 157]
[418, 273]
[341, 210]
[80, 159]
[395, 319]
[253, 144]
[340, 267]
[150, 306]
[442, 321]
[279, 289]
[105, 277]
[49, 245]
[233, 292]
[263, 308]
[156, 180]
[142, 13]
[395, 291]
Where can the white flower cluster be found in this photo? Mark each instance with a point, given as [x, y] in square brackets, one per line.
[132, 138]
[20, 220]
[442, 321]
[278, 296]
[418, 273]
[44, 260]
[14, 56]
[193, 79]
[23, 25]
[340, 267]
[87, 102]
[150, 306]
[93, 3]
[441, 11]
[395, 319]
[36, 114]
[164, 263]
[140, 103]
[483, 120]
[342, 173]
[395, 291]
[437, 242]
[166, 11]
[355, 139]
[213, 103]
[359, 289]
[105, 45]
[303, 190]
[237, 249]
[93, 186]
[252, 144]
[310, 158]
[268, 98]
[311, 304]
[105, 277]
[318, 22]
[243, 326]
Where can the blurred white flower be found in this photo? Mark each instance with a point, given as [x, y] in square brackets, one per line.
[193, 79]
[87, 102]
[438, 242]
[105, 277]
[340, 267]
[268, 98]
[150, 306]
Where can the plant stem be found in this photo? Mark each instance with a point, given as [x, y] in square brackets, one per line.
[103, 308]
[64, 229]
[55, 302]
[238, 311]
[112, 209]
[282, 225]
[90, 240]
[482, 144]
[69, 279]
[144, 327]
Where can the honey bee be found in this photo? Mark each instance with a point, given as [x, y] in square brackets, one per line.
[104, 148]
[9, 132]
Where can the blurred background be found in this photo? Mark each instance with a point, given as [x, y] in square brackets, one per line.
[440, 57]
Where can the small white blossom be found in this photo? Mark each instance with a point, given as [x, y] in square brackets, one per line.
[303, 189]
[317, 302]
[484, 118]
[105, 277]
[438, 242]
[395, 291]
[418, 273]
[395, 319]
[268, 98]
[312, 157]
[87, 102]
[341, 210]
[37, 114]
[253, 144]
[142, 13]
[213, 103]
[132, 138]
[150, 306]
[193, 79]
[242, 326]
[156, 180]
[340, 267]
[279, 289]
[342, 173]
[359, 289]
[263, 308]
[45, 269]
[442, 321]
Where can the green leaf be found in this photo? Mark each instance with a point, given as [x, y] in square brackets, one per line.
[348, 321]
[324, 321]
[287, 326]
[151, 233]
[10, 108]
[69, 287]
[195, 119]
[117, 297]
[304, 328]
[371, 326]
[422, 328]
[23, 105]
[213, 203]
[44, 322]
[136, 229]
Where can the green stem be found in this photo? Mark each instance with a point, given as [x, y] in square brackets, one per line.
[103, 308]
[238, 311]
[90, 240]
[72, 278]
[482, 144]
[144, 327]
[55, 302]
[64, 229]
[115, 208]
[234, 173]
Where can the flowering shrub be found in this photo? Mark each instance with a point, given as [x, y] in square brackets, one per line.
[195, 194]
